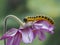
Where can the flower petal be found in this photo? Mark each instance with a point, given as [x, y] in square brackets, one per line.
[41, 35]
[43, 25]
[27, 36]
[10, 33]
[14, 40]
[35, 33]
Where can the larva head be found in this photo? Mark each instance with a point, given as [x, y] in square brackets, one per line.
[37, 18]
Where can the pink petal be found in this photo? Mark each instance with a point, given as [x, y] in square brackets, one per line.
[48, 30]
[14, 40]
[27, 36]
[10, 33]
[41, 35]
[44, 25]
[35, 33]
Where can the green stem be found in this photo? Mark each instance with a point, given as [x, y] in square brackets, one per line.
[16, 18]
[5, 23]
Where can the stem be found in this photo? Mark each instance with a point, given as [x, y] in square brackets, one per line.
[5, 23]
[16, 18]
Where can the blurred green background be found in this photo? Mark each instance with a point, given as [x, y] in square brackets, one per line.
[23, 8]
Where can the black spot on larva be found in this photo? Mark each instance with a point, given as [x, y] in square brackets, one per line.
[42, 16]
[25, 20]
[52, 23]
[48, 18]
[39, 16]
[45, 17]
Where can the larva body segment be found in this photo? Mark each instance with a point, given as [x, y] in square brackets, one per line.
[37, 18]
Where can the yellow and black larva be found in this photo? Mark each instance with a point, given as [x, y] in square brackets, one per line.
[36, 18]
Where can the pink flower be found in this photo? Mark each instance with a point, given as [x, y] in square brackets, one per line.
[28, 32]
[14, 36]
[41, 27]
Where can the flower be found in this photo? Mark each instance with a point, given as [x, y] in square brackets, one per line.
[28, 32]
[14, 36]
[40, 27]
